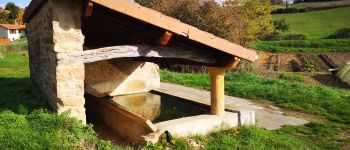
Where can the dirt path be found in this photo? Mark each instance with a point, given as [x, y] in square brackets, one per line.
[267, 116]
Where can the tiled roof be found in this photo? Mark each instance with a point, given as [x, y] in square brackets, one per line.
[4, 11]
[13, 26]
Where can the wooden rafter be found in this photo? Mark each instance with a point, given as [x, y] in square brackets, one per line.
[88, 9]
[165, 38]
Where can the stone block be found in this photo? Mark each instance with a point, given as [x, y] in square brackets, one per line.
[246, 117]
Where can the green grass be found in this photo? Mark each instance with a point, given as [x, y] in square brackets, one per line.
[312, 45]
[20, 44]
[317, 24]
[293, 77]
[241, 138]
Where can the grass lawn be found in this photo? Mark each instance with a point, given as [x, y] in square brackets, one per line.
[26, 121]
[317, 24]
[20, 44]
[312, 45]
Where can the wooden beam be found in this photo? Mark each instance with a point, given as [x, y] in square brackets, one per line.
[233, 63]
[157, 37]
[88, 9]
[165, 38]
[137, 51]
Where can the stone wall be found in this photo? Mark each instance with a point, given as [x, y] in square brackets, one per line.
[54, 29]
[120, 77]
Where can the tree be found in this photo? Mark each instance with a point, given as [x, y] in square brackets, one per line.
[20, 17]
[13, 10]
[234, 21]
[3, 18]
[255, 17]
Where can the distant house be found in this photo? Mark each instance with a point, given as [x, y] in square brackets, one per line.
[12, 31]
[4, 11]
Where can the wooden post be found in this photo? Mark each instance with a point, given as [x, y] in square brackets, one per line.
[217, 90]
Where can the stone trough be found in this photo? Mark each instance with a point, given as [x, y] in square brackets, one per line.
[106, 48]
[143, 118]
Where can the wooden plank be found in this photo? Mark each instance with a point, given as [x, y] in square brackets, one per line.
[126, 124]
[136, 51]
[155, 18]
[88, 9]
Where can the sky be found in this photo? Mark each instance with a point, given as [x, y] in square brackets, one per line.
[20, 3]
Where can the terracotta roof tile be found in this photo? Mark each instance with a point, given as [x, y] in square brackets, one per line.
[4, 11]
[13, 26]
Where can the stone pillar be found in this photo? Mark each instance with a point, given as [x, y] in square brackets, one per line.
[217, 90]
[56, 28]
[67, 38]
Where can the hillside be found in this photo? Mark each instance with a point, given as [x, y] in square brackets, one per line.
[317, 24]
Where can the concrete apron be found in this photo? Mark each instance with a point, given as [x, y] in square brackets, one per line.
[268, 117]
[139, 130]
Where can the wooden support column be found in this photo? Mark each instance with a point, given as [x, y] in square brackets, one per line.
[217, 90]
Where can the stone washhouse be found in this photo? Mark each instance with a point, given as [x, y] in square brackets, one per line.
[112, 47]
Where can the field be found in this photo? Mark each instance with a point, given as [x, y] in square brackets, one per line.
[312, 45]
[20, 44]
[317, 24]
[26, 117]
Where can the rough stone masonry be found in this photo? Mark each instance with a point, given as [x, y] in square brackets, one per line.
[55, 29]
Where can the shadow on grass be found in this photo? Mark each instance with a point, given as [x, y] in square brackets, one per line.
[21, 95]
[328, 80]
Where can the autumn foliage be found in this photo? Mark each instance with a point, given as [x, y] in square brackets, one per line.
[237, 21]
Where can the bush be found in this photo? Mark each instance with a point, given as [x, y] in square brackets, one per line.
[274, 36]
[281, 25]
[291, 77]
[288, 11]
[341, 33]
[295, 37]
